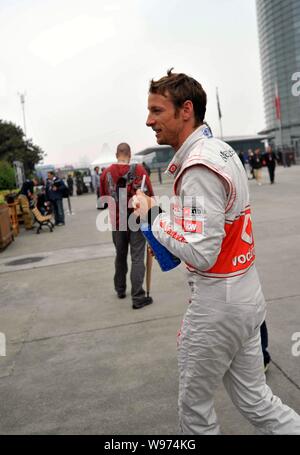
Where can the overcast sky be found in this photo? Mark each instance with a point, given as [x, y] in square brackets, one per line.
[86, 67]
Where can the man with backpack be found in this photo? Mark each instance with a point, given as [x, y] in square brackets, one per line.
[120, 181]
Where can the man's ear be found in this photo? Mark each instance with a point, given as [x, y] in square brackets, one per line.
[187, 109]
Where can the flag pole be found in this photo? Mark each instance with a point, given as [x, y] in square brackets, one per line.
[278, 112]
[221, 129]
[280, 131]
[278, 117]
[219, 113]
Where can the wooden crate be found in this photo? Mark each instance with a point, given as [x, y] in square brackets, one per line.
[14, 217]
[6, 233]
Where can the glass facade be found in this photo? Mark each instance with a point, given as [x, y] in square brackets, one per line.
[279, 40]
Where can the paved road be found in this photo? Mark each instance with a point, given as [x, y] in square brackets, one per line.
[81, 361]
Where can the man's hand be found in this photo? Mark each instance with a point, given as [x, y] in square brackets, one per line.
[142, 203]
[150, 251]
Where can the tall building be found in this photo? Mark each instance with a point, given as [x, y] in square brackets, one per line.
[279, 40]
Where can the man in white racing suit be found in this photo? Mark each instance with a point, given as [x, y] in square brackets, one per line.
[210, 230]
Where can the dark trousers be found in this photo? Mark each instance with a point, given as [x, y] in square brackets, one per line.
[271, 170]
[98, 201]
[58, 208]
[136, 240]
[264, 342]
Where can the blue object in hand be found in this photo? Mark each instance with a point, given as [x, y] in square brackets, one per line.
[167, 261]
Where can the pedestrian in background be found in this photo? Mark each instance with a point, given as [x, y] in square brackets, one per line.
[96, 184]
[70, 183]
[249, 161]
[124, 179]
[270, 160]
[241, 157]
[25, 198]
[54, 193]
[257, 164]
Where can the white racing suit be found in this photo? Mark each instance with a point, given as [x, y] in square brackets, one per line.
[220, 334]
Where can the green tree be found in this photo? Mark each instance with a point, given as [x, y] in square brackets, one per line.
[7, 176]
[14, 146]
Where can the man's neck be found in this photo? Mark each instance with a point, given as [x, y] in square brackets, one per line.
[184, 135]
[120, 161]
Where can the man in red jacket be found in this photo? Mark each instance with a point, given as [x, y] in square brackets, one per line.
[120, 181]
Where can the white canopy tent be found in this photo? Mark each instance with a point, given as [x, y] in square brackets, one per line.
[105, 158]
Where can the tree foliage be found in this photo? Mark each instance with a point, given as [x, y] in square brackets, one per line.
[7, 176]
[15, 147]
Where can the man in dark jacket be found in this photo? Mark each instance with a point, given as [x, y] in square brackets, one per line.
[28, 187]
[70, 183]
[25, 198]
[257, 164]
[54, 194]
[270, 159]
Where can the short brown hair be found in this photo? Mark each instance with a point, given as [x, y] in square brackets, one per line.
[124, 149]
[182, 88]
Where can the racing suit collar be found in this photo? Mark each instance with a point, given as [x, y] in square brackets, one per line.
[175, 165]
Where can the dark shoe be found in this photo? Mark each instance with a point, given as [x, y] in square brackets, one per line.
[121, 295]
[142, 303]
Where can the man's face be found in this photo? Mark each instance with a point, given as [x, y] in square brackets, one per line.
[164, 120]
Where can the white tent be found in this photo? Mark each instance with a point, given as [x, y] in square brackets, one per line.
[105, 158]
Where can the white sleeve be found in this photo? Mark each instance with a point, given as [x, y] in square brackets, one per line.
[198, 240]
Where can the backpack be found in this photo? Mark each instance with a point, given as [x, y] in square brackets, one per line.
[65, 192]
[125, 181]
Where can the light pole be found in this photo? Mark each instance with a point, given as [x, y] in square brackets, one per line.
[22, 99]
